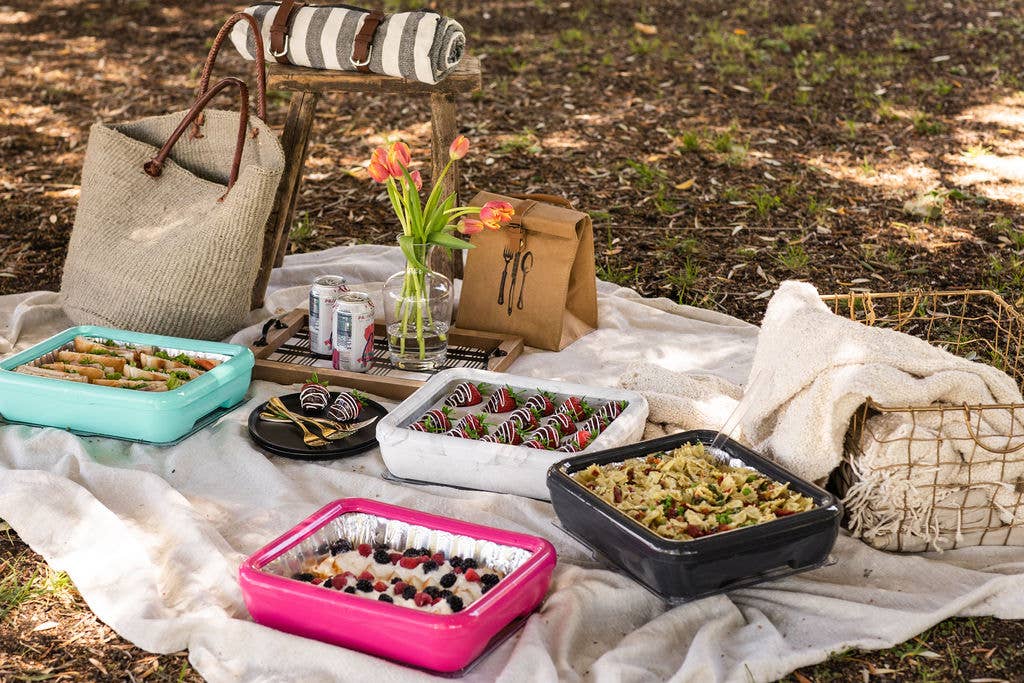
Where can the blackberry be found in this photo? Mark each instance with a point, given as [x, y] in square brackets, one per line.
[364, 585]
[323, 549]
[381, 556]
[350, 589]
[429, 566]
[340, 546]
[469, 563]
[382, 546]
[448, 580]
[411, 552]
[303, 576]
[455, 602]
[384, 597]
[409, 593]
[455, 561]
[484, 589]
[329, 583]
[424, 551]
[489, 579]
[445, 593]
[395, 579]
[432, 591]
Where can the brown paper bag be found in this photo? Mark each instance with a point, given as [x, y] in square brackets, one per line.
[533, 278]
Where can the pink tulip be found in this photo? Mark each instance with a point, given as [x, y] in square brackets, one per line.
[470, 226]
[378, 172]
[459, 147]
[495, 214]
[398, 158]
[417, 180]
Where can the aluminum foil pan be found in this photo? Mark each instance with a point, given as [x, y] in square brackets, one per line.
[51, 356]
[361, 527]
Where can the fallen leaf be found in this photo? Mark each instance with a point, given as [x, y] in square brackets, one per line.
[45, 626]
[646, 29]
[740, 31]
[686, 184]
[764, 295]
[801, 678]
[98, 665]
[740, 88]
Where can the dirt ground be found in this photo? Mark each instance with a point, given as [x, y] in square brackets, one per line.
[721, 147]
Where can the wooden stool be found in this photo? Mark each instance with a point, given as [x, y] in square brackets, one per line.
[306, 86]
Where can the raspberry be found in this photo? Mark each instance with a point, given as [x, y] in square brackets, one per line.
[409, 593]
[423, 557]
[339, 581]
[365, 549]
[448, 580]
[458, 570]
[435, 601]
[365, 576]
[409, 562]
[395, 557]
[471, 575]
[400, 587]
[380, 586]
[438, 558]
[422, 599]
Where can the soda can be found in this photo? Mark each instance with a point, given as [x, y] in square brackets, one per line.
[322, 296]
[353, 332]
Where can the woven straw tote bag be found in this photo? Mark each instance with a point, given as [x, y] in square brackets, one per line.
[169, 229]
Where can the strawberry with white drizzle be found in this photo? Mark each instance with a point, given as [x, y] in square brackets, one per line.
[547, 435]
[595, 424]
[508, 432]
[581, 439]
[576, 408]
[346, 407]
[503, 400]
[437, 419]
[562, 422]
[314, 397]
[612, 409]
[473, 424]
[540, 404]
[523, 418]
[568, 448]
[534, 443]
[465, 394]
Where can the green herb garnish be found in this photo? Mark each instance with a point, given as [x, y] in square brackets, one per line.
[113, 375]
[173, 382]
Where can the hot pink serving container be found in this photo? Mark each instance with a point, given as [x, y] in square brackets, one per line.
[443, 643]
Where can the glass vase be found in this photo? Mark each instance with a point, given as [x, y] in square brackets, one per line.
[418, 313]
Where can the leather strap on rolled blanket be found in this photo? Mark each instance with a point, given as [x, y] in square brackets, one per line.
[421, 46]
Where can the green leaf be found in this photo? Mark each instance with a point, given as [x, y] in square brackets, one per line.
[444, 239]
[412, 205]
[398, 205]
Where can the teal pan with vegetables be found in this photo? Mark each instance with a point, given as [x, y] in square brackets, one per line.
[128, 385]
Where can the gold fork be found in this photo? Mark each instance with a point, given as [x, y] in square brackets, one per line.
[330, 430]
[308, 437]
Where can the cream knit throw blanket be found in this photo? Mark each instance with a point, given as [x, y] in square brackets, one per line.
[911, 492]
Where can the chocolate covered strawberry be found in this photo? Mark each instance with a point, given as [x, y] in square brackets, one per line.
[437, 420]
[568, 448]
[523, 418]
[465, 394]
[346, 407]
[595, 424]
[503, 400]
[313, 396]
[540, 404]
[562, 422]
[533, 443]
[576, 408]
[508, 432]
[474, 424]
[612, 409]
[547, 435]
[490, 438]
[459, 433]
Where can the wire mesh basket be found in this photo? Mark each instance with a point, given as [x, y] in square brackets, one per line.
[951, 475]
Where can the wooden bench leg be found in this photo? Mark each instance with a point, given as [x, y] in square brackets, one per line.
[295, 141]
[444, 128]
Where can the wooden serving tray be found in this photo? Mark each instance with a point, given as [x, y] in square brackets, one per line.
[282, 356]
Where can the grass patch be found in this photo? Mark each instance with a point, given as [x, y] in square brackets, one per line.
[303, 230]
[764, 201]
[794, 257]
[15, 591]
[926, 125]
[623, 277]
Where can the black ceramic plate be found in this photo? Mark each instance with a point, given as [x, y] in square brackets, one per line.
[286, 440]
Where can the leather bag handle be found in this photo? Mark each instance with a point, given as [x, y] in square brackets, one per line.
[155, 166]
[546, 198]
[260, 66]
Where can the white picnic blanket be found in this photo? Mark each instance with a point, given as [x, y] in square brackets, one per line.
[152, 537]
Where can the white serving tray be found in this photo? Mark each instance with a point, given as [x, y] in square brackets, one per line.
[491, 466]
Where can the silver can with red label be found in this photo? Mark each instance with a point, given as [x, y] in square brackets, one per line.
[323, 296]
[353, 332]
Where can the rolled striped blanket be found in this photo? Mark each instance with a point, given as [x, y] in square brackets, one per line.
[421, 46]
